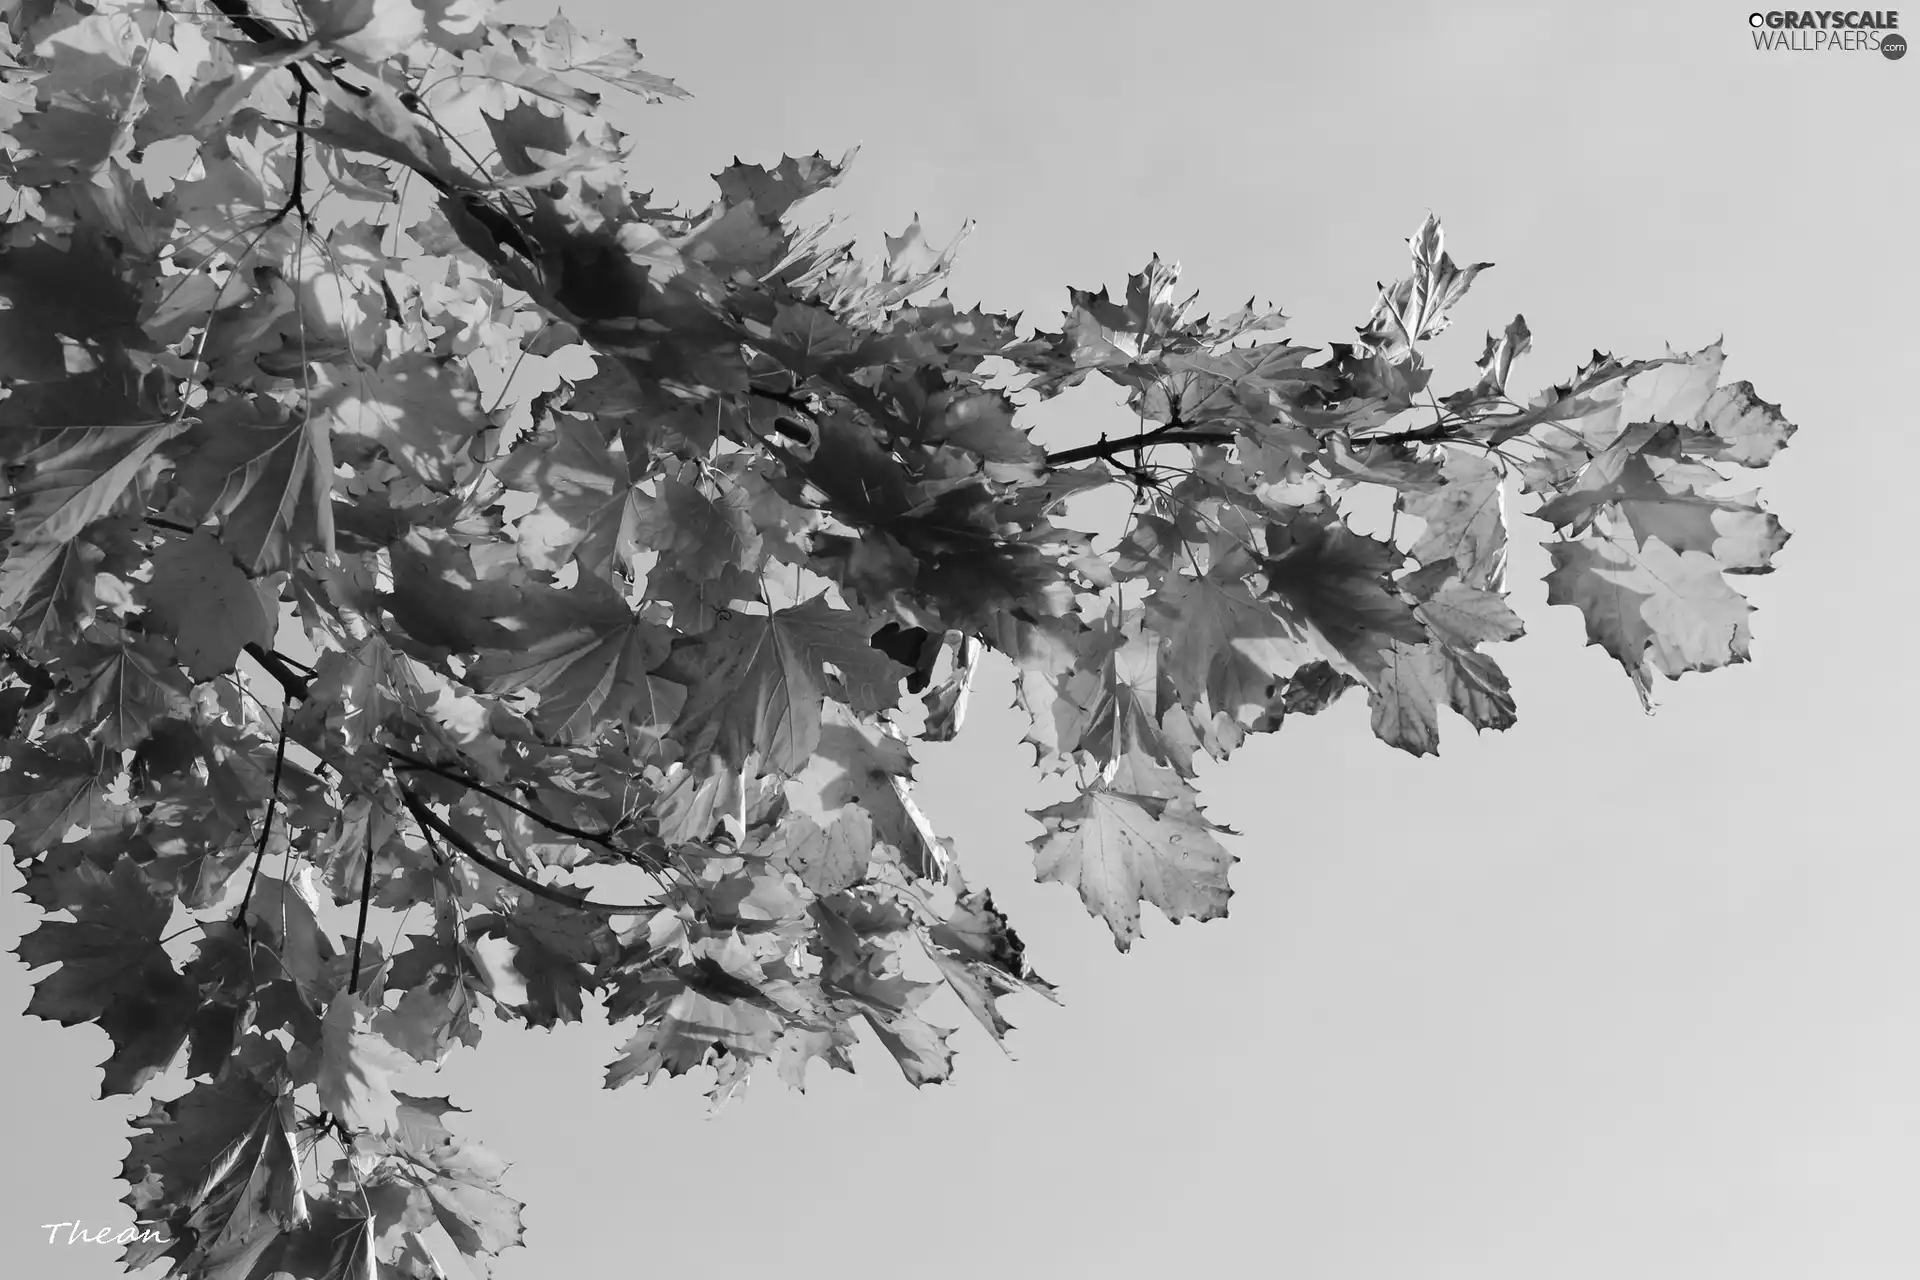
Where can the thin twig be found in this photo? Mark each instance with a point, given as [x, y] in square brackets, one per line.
[297, 686]
[292, 682]
[366, 892]
[431, 821]
[171, 526]
[604, 839]
[299, 160]
[266, 823]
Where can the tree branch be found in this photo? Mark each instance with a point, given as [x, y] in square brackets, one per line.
[431, 821]
[1435, 431]
[296, 686]
[505, 231]
[298, 185]
[251, 27]
[1159, 435]
[1175, 433]
[604, 839]
[366, 893]
[266, 823]
[276, 666]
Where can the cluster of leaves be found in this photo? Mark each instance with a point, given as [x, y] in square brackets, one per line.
[284, 591]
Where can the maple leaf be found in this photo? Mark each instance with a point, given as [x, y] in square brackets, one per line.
[982, 958]
[1609, 402]
[1414, 680]
[368, 30]
[1332, 583]
[756, 682]
[1460, 614]
[60, 300]
[866, 294]
[269, 482]
[44, 792]
[585, 504]
[1237, 386]
[330, 1245]
[439, 987]
[351, 698]
[1596, 389]
[553, 953]
[918, 1047]
[429, 1019]
[857, 763]
[108, 948]
[373, 117]
[130, 682]
[1495, 363]
[1653, 608]
[867, 983]
[691, 1025]
[1122, 726]
[73, 478]
[248, 1198]
[1416, 308]
[829, 852]
[56, 588]
[1465, 520]
[421, 413]
[801, 1046]
[1113, 338]
[77, 475]
[1659, 496]
[460, 1179]
[1222, 644]
[1737, 426]
[701, 529]
[352, 1065]
[559, 46]
[1310, 690]
[113, 971]
[1119, 850]
[202, 599]
[212, 1162]
[587, 656]
[285, 914]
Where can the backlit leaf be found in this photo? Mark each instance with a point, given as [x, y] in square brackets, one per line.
[1119, 850]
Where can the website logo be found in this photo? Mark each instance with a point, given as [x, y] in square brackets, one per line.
[1829, 31]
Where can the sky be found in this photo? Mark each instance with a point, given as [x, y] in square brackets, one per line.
[1607, 994]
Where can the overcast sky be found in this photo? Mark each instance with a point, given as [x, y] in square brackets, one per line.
[1607, 995]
